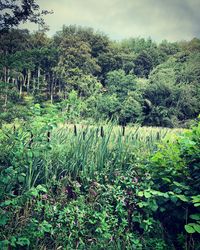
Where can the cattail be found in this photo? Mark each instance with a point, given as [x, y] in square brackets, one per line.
[14, 129]
[75, 130]
[123, 130]
[31, 140]
[84, 133]
[48, 136]
[158, 136]
[102, 132]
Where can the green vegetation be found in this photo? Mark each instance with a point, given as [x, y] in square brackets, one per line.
[89, 187]
[132, 81]
[99, 140]
[13, 13]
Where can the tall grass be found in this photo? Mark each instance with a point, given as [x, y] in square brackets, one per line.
[80, 152]
[90, 151]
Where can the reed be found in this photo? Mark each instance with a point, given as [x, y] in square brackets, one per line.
[80, 152]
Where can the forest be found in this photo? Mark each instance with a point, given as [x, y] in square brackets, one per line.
[131, 81]
[99, 139]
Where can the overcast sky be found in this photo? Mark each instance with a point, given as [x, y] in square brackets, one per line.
[159, 19]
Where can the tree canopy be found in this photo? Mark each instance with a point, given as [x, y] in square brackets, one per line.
[134, 80]
[13, 12]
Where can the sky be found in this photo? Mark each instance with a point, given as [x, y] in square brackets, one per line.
[119, 19]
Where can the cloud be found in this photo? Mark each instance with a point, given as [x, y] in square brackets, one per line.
[159, 19]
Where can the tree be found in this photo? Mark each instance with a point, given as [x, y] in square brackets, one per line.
[137, 45]
[143, 64]
[115, 58]
[13, 12]
[117, 82]
[87, 85]
[190, 46]
[172, 95]
[131, 109]
[168, 48]
[75, 56]
[14, 40]
[98, 42]
[103, 106]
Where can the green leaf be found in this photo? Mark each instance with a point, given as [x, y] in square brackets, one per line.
[153, 205]
[180, 185]
[166, 179]
[13, 241]
[8, 202]
[147, 194]
[189, 229]
[3, 220]
[33, 192]
[197, 204]
[195, 216]
[30, 154]
[142, 204]
[154, 192]
[21, 178]
[45, 226]
[23, 241]
[196, 199]
[141, 193]
[166, 195]
[41, 188]
[182, 197]
[197, 227]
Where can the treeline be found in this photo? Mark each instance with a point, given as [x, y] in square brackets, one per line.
[134, 80]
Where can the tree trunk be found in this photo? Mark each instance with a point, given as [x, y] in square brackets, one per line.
[51, 79]
[20, 88]
[33, 85]
[5, 74]
[6, 95]
[38, 77]
[24, 82]
[28, 80]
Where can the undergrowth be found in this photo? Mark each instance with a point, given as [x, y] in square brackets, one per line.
[63, 188]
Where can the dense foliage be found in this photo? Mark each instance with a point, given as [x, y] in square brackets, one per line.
[96, 188]
[105, 186]
[14, 12]
[132, 81]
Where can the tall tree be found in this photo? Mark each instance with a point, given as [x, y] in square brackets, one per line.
[13, 12]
